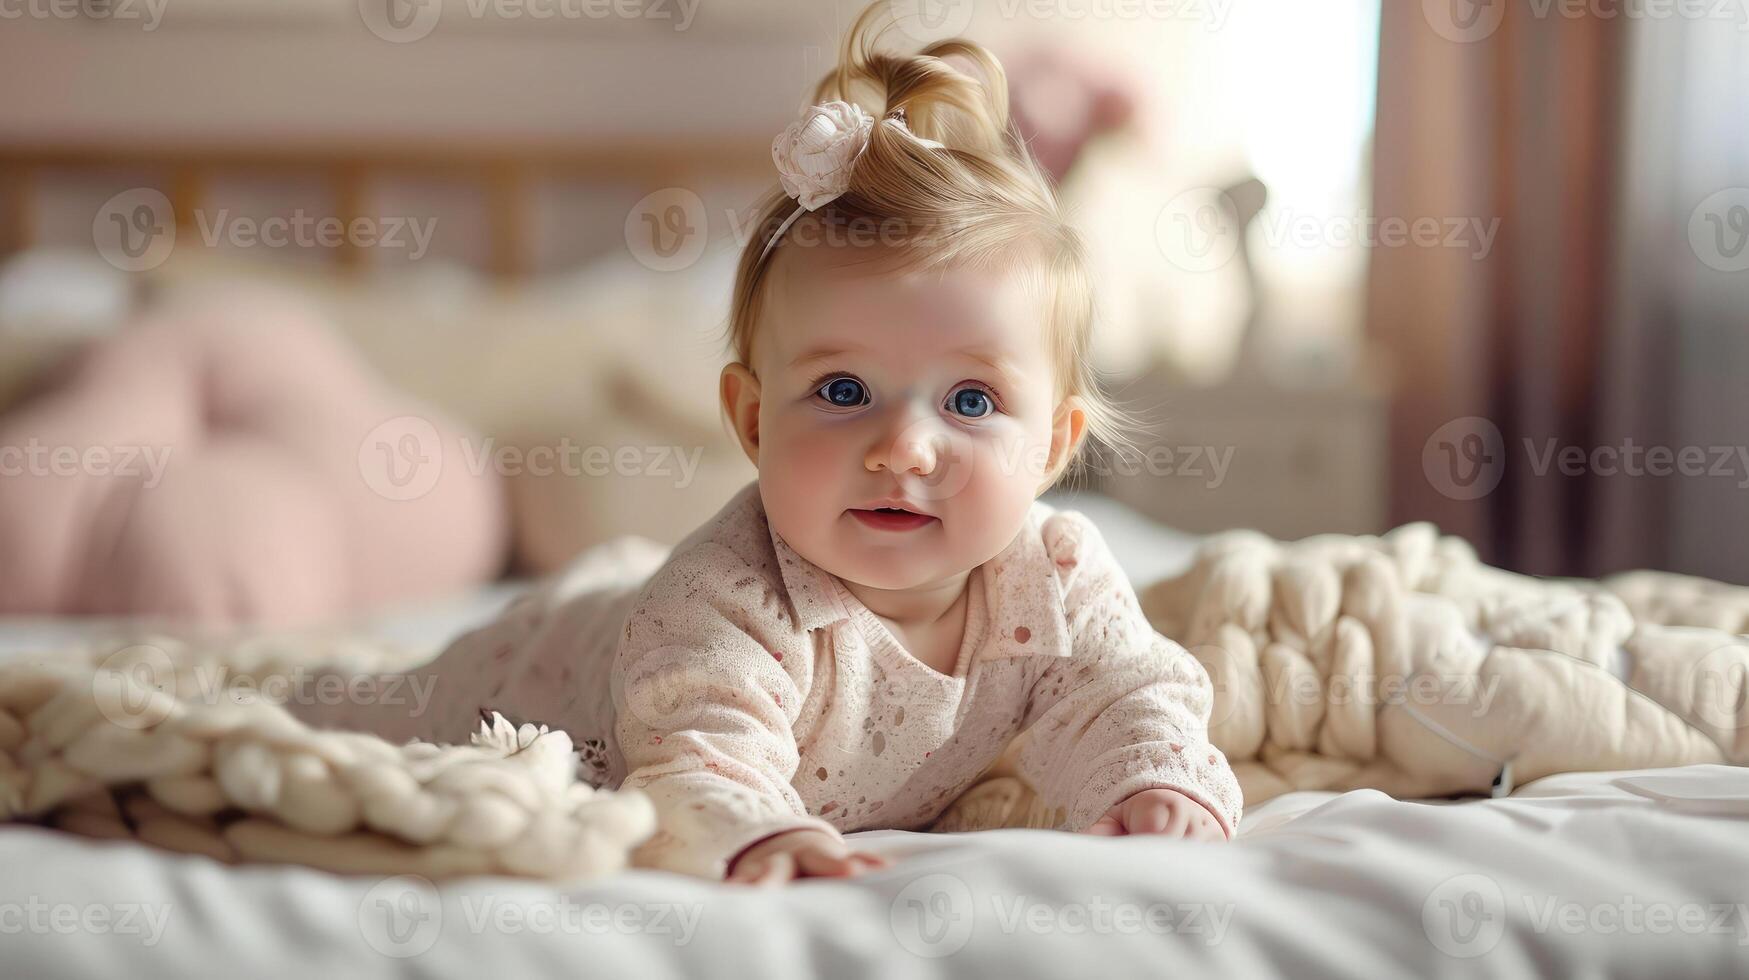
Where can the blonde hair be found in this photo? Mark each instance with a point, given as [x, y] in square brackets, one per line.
[980, 200]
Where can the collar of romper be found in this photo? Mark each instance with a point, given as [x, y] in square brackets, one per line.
[1022, 595]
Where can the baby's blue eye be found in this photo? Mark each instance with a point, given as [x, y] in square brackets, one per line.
[844, 392]
[971, 403]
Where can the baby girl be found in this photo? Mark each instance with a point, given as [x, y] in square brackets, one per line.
[857, 637]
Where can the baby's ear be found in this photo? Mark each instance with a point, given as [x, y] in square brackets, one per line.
[740, 394]
[1068, 428]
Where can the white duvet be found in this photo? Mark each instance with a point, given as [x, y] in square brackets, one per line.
[1626, 874]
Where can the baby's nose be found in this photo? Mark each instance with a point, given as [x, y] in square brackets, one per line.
[913, 448]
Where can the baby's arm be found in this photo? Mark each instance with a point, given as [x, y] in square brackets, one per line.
[1127, 713]
[704, 712]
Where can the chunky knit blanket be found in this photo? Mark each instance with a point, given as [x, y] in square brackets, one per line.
[1404, 664]
[179, 744]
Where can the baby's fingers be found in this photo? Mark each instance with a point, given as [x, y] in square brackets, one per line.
[1206, 827]
[763, 870]
[826, 864]
[1156, 818]
[779, 869]
[1107, 826]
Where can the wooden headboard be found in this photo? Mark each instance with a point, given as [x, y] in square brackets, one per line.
[506, 177]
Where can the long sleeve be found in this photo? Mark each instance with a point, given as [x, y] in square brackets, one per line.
[1128, 709]
[707, 682]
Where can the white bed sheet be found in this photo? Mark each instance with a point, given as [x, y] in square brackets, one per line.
[1598, 875]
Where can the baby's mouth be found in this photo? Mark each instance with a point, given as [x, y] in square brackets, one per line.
[891, 518]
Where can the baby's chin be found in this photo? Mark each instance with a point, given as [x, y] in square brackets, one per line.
[892, 569]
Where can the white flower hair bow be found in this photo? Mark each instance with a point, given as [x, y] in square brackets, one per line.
[816, 154]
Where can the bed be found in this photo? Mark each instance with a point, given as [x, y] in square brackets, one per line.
[1598, 874]
[1602, 874]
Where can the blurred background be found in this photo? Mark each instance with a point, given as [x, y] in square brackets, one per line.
[307, 305]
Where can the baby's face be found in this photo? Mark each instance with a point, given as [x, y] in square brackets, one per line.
[905, 419]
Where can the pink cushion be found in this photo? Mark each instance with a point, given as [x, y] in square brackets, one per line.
[224, 463]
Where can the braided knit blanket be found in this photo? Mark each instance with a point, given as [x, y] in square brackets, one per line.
[179, 744]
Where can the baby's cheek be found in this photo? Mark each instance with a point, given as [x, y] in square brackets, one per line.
[1001, 489]
[1011, 461]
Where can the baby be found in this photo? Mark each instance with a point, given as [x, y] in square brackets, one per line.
[856, 638]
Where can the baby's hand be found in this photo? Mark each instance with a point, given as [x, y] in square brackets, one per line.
[800, 854]
[1160, 811]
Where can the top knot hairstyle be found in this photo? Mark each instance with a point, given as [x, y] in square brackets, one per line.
[977, 199]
